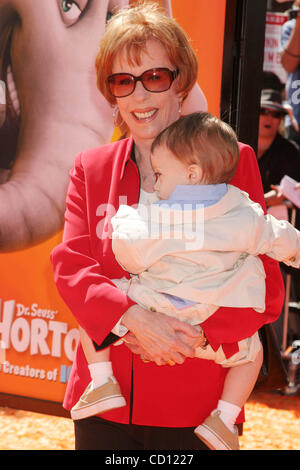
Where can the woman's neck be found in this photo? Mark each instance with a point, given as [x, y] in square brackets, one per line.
[142, 157]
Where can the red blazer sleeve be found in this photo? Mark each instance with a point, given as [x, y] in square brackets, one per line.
[92, 297]
[229, 325]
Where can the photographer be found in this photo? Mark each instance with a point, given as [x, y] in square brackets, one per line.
[290, 59]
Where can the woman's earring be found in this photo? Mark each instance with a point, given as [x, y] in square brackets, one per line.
[179, 110]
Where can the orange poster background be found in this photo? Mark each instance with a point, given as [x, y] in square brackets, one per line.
[205, 26]
[26, 276]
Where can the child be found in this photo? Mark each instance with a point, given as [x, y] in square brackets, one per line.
[191, 252]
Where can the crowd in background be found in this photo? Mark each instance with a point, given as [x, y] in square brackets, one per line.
[278, 151]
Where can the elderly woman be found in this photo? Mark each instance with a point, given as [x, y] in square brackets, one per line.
[146, 69]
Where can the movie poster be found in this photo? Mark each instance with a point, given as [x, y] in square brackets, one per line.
[50, 110]
[272, 60]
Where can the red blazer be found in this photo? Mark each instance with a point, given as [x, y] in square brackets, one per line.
[84, 263]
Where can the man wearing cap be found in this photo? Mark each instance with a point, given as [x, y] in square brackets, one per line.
[277, 156]
[290, 60]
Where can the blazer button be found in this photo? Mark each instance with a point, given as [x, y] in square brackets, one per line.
[152, 309]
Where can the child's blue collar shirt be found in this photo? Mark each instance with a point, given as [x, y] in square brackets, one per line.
[188, 196]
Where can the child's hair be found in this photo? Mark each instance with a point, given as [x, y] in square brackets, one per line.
[205, 140]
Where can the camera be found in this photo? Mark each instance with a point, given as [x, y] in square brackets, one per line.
[292, 13]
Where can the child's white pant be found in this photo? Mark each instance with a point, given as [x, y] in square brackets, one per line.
[194, 314]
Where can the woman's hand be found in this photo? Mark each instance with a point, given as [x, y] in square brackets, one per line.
[134, 346]
[160, 338]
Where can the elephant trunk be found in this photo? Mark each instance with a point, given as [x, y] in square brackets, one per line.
[31, 209]
[32, 201]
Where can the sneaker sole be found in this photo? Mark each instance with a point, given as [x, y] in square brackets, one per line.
[210, 438]
[98, 408]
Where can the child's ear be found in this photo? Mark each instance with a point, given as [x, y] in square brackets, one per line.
[195, 173]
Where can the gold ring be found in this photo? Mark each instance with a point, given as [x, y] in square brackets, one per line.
[171, 363]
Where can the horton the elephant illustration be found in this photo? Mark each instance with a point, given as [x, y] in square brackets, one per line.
[53, 109]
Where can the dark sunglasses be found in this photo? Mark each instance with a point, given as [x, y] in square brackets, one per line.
[274, 114]
[153, 80]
